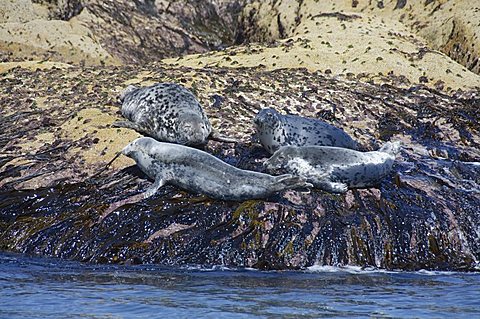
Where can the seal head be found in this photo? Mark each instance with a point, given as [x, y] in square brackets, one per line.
[125, 92]
[193, 130]
[269, 126]
[281, 158]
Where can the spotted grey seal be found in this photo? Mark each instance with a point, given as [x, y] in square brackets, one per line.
[335, 169]
[275, 130]
[197, 171]
[167, 112]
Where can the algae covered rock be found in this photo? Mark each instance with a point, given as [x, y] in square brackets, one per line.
[56, 199]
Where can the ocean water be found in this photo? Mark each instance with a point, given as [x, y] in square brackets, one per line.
[52, 288]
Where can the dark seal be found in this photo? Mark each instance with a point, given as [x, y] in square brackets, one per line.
[199, 172]
[275, 130]
[167, 112]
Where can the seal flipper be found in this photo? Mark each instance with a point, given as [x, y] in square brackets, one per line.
[333, 187]
[214, 135]
[127, 124]
[288, 181]
[159, 182]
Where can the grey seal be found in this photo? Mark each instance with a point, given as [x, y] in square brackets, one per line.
[167, 112]
[275, 130]
[199, 172]
[335, 169]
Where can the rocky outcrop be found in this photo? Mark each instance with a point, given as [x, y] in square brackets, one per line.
[360, 41]
[55, 200]
[381, 70]
[401, 40]
[28, 33]
[114, 32]
[147, 31]
[62, 9]
[447, 26]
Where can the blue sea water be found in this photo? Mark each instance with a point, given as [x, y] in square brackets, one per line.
[51, 288]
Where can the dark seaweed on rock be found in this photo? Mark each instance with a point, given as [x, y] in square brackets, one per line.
[423, 215]
[165, 29]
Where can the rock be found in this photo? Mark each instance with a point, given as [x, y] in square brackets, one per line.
[109, 33]
[36, 38]
[62, 9]
[378, 70]
[385, 45]
[447, 26]
[21, 11]
[55, 200]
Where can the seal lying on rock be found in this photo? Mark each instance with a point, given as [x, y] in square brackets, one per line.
[275, 130]
[167, 112]
[200, 172]
[335, 169]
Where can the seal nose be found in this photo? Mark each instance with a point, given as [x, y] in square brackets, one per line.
[198, 137]
[126, 150]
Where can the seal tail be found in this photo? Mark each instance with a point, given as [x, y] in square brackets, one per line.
[288, 181]
[214, 135]
[392, 148]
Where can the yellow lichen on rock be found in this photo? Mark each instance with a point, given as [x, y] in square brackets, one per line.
[34, 37]
[320, 37]
[30, 146]
[106, 141]
[21, 11]
[448, 26]
[32, 65]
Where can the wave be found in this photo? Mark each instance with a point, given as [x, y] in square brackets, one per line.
[370, 270]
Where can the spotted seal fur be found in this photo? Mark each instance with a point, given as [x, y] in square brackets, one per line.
[167, 112]
[335, 169]
[275, 130]
[199, 172]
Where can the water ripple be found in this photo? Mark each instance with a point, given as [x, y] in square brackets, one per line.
[51, 288]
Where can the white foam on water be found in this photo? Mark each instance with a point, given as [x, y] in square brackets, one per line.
[435, 272]
[209, 269]
[348, 269]
[370, 270]
[333, 269]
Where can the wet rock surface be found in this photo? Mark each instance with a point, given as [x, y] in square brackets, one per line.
[55, 200]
